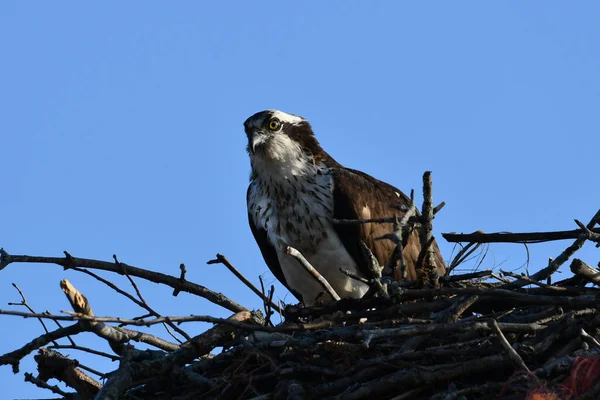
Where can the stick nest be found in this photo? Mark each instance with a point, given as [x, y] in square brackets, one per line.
[481, 335]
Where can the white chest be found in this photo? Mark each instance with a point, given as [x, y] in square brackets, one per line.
[296, 210]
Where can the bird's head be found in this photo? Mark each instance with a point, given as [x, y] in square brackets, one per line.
[276, 136]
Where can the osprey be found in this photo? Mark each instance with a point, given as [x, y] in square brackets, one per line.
[297, 189]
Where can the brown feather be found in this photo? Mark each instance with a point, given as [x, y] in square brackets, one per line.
[360, 196]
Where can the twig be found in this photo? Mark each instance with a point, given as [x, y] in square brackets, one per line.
[463, 254]
[304, 262]
[69, 338]
[183, 271]
[26, 305]
[540, 284]
[221, 259]
[397, 261]
[267, 300]
[147, 306]
[93, 371]
[374, 268]
[123, 321]
[354, 276]
[591, 236]
[388, 220]
[85, 349]
[437, 208]
[141, 302]
[511, 352]
[44, 385]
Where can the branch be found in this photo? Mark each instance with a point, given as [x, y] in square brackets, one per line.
[397, 262]
[583, 270]
[221, 259]
[591, 236]
[388, 220]
[558, 261]
[426, 262]
[468, 276]
[69, 262]
[52, 364]
[322, 281]
[81, 305]
[141, 303]
[84, 349]
[14, 357]
[511, 352]
[147, 306]
[462, 255]
[374, 268]
[510, 237]
[26, 305]
[541, 284]
[44, 385]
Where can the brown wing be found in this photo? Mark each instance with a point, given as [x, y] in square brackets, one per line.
[269, 253]
[359, 196]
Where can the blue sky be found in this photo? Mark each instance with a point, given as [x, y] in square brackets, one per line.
[121, 131]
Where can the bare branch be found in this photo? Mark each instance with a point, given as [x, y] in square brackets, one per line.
[558, 261]
[112, 357]
[44, 385]
[304, 262]
[156, 277]
[509, 237]
[585, 271]
[142, 303]
[591, 236]
[221, 259]
[24, 303]
[52, 364]
[426, 266]
[511, 352]
[14, 357]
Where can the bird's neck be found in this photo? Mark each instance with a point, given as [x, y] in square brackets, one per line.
[298, 168]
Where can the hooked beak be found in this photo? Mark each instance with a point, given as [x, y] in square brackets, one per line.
[258, 139]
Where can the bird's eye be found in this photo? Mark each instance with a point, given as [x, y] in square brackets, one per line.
[274, 124]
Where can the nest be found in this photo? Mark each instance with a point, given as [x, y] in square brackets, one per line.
[482, 335]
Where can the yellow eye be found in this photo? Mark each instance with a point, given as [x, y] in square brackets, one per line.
[274, 124]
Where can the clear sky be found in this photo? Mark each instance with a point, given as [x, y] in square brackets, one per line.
[121, 131]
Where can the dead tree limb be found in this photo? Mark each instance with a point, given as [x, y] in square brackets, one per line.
[426, 262]
[558, 261]
[52, 364]
[583, 270]
[157, 277]
[510, 237]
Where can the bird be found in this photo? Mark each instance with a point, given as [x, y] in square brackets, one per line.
[296, 191]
